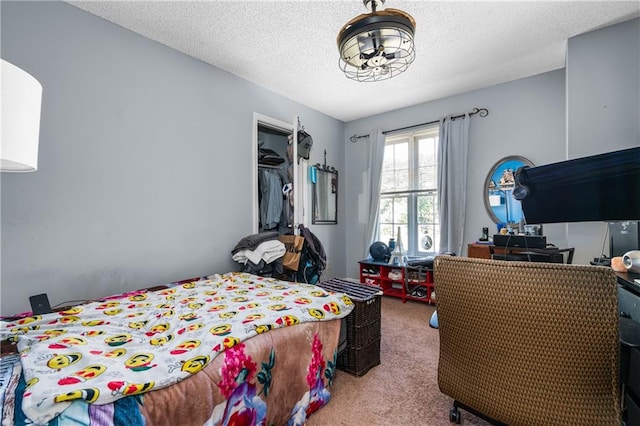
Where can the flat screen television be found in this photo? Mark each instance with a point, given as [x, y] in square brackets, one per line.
[603, 187]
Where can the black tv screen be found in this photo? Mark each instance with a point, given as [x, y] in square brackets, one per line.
[600, 187]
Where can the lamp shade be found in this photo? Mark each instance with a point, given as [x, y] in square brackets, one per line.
[20, 118]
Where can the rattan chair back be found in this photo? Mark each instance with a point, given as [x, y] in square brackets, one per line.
[529, 343]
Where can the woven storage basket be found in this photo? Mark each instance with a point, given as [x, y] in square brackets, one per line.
[359, 361]
[365, 312]
[363, 335]
[363, 326]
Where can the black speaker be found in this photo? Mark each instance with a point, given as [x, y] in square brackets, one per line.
[623, 237]
[520, 241]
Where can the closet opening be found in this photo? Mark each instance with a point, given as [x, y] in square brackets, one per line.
[275, 175]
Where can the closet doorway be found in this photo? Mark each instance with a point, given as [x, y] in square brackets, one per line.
[276, 194]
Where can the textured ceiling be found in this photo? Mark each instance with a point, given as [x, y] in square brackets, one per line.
[290, 48]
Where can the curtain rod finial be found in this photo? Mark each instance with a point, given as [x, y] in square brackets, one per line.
[355, 138]
[483, 112]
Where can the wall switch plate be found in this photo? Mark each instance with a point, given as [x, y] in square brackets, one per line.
[40, 304]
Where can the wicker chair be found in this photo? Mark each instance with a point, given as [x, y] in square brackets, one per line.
[528, 343]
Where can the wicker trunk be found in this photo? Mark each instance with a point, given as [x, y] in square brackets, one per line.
[362, 352]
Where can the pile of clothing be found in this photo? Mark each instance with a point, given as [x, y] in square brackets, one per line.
[260, 254]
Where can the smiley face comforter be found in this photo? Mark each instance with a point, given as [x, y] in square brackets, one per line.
[103, 351]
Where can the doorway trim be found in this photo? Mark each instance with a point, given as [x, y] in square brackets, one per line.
[284, 127]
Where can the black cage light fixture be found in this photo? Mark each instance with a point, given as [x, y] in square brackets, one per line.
[378, 45]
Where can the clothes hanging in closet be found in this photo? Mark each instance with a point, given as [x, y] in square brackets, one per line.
[271, 201]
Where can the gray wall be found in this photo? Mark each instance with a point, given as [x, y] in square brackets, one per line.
[145, 161]
[603, 114]
[526, 117]
[603, 105]
[590, 108]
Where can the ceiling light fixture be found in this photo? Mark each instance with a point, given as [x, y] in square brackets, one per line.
[378, 45]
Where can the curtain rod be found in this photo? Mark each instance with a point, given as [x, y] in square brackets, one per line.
[482, 111]
[355, 138]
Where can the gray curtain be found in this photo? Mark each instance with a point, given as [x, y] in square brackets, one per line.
[376, 142]
[453, 149]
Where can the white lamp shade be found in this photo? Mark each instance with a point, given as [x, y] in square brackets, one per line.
[20, 118]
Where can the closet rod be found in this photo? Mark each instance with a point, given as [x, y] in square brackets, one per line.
[482, 111]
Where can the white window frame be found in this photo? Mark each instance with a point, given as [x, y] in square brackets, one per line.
[410, 242]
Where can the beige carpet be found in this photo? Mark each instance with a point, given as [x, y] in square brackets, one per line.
[403, 389]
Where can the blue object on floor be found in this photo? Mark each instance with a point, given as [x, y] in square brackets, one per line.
[433, 322]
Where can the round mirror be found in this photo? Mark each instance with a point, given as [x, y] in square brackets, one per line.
[498, 190]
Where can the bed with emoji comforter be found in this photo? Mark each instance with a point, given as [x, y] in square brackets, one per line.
[223, 349]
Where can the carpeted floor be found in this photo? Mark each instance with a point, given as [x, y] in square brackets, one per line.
[403, 389]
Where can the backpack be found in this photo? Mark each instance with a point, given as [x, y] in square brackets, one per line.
[313, 259]
[305, 141]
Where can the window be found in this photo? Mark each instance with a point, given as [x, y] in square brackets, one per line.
[408, 194]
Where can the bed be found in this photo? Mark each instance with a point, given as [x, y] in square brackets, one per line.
[223, 349]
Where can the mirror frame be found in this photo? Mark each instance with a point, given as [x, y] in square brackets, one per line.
[314, 205]
[487, 181]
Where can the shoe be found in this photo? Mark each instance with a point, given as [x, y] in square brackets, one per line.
[420, 292]
[395, 275]
[372, 272]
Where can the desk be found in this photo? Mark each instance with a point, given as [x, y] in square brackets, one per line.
[630, 369]
[630, 354]
[626, 280]
[629, 340]
[486, 251]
